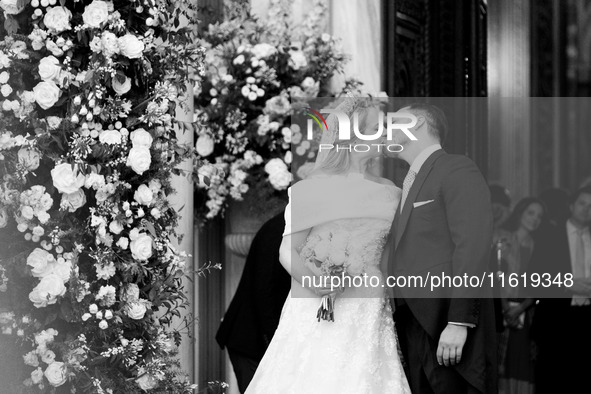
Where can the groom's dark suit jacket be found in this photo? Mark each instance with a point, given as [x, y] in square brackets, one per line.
[451, 235]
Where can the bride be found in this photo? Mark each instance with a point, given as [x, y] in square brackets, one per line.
[357, 352]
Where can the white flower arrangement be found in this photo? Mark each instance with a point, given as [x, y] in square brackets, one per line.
[88, 93]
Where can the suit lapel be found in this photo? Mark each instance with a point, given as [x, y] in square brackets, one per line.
[403, 217]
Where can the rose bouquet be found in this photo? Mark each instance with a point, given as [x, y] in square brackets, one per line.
[254, 69]
[332, 253]
[90, 278]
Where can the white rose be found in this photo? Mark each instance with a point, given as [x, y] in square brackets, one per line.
[62, 268]
[94, 180]
[46, 292]
[48, 357]
[109, 44]
[29, 158]
[121, 87]
[274, 166]
[123, 243]
[297, 60]
[53, 122]
[49, 68]
[95, 13]
[13, 7]
[204, 145]
[65, 179]
[103, 324]
[141, 247]
[53, 48]
[143, 195]
[139, 159]
[281, 180]
[47, 93]
[57, 19]
[115, 227]
[37, 376]
[135, 310]
[31, 359]
[4, 77]
[263, 50]
[56, 373]
[110, 137]
[39, 261]
[73, 201]
[146, 382]
[140, 137]
[130, 46]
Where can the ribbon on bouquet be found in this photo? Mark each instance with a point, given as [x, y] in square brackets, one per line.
[326, 309]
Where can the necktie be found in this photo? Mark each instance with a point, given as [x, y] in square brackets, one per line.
[580, 267]
[406, 185]
[580, 270]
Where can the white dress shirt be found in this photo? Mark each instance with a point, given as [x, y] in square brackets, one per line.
[579, 265]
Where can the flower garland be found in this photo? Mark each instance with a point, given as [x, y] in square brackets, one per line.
[254, 69]
[90, 279]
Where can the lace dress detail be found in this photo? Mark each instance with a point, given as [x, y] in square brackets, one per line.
[358, 352]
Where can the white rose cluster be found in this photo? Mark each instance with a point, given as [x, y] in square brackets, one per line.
[139, 158]
[263, 50]
[279, 175]
[54, 273]
[34, 202]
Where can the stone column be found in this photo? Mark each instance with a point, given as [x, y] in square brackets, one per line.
[508, 85]
[182, 201]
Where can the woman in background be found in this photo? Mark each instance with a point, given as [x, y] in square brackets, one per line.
[515, 240]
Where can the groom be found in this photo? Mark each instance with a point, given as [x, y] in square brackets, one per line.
[443, 226]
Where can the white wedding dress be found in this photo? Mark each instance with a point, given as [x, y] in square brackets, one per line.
[358, 352]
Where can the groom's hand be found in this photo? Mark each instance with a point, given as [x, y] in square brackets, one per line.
[451, 343]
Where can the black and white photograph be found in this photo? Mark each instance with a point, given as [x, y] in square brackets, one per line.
[295, 196]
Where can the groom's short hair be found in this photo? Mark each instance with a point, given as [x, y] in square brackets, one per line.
[435, 117]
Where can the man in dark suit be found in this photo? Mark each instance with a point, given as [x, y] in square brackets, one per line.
[562, 320]
[253, 314]
[443, 226]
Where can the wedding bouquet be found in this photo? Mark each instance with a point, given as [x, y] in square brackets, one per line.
[328, 254]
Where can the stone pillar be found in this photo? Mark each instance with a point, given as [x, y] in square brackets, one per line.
[182, 201]
[508, 83]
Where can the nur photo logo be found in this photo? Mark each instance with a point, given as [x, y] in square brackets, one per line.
[400, 121]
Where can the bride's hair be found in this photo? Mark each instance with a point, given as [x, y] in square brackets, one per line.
[338, 161]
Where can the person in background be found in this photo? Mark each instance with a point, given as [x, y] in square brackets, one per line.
[501, 204]
[562, 321]
[516, 243]
[557, 202]
[253, 314]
